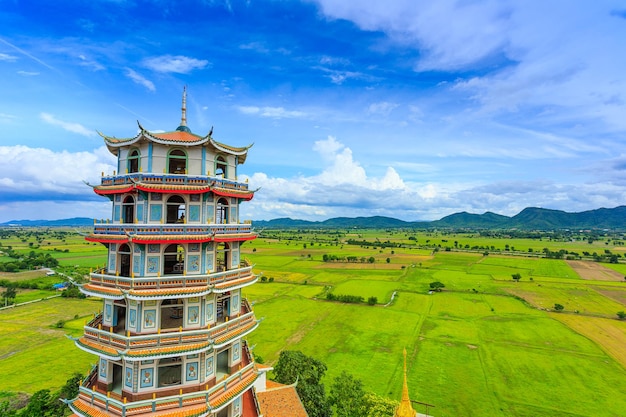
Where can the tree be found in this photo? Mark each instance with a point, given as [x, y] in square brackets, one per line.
[295, 366]
[621, 315]
[516, 277]
[388, 260]
[378, 406]
[437, 286]
[347, 396]
[372, 301]
[9, 294]
[558, 307]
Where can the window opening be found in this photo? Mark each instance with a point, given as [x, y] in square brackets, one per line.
[220, 167]
[174, 260]
[133, 161]
[128, 210]
[169, 372]
[124, 254]
[221, 211]
[177, 162]
[175, 209]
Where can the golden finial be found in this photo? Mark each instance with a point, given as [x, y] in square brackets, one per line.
[405, 409]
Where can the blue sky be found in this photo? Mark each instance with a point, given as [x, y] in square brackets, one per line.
[404, 108]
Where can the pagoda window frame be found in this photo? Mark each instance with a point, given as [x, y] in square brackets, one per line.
[174, 157]
[124, 255]
[222, 211]
[221, 167]
[175, 266]
[133, 161]
[222, 256]
[128, 210]
[175, 211]
[171, 363]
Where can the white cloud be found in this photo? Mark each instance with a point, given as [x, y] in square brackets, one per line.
[38, 173]
[450, 34]
[140, 79]
[175, 63]
[69, 126]
[272, 112]
[383, 108]
[7, 57]
[28, 73]
[4, 117]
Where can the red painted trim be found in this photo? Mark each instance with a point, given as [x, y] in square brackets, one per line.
[123, 239]
[247, 196]
[113, 191]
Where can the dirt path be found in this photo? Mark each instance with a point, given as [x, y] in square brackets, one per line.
[594, 271]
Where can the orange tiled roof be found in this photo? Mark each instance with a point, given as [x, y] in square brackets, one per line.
[189, 411]
[177, 136]
[280, 401]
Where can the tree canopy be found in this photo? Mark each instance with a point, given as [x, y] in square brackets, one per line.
[295, 366]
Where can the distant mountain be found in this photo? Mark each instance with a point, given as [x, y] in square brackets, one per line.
[76, 221]
[487, 220]
[531, 218]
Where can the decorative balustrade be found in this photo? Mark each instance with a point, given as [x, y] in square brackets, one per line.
[102, 279]
[104, 227]
[173, 179]
[217, 333]
[238, 381]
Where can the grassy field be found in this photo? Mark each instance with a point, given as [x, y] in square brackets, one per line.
[485, 346]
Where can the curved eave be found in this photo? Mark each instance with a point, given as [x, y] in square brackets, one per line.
[95, 349]
[167, 293]
[225, 192]
[242, 153]
[113, 189]
[166, 352]
[107, 238]
[228, 338]
[238, 237]
[226, 398]
[235, 285]
[102, 292]
[106, 190]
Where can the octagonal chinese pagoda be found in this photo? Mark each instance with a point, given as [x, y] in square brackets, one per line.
[170, 337]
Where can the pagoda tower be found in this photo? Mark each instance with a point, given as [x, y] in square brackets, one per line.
[170, 337]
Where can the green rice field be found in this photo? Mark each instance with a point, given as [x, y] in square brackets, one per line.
[484, 346]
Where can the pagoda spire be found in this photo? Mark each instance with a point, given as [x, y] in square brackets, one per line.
[183, 120]
[405, 409]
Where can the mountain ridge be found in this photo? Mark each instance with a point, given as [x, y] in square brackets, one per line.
[530, 218]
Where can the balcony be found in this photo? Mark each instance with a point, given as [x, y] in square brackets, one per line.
[217, 280]
[167, 343]
[172, 179]
[103, 227]
[196, 400]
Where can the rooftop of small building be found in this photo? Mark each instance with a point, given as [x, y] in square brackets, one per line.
[280, 400]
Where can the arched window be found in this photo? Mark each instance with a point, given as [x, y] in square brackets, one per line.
[123, 254]
[133, 161]
[174, 260]
[128, 210]
[223, 257]
[177, 162]
[221, 167]
[221, 211]
[175, 209]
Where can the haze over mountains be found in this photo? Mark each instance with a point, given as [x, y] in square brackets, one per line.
[531, 218]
